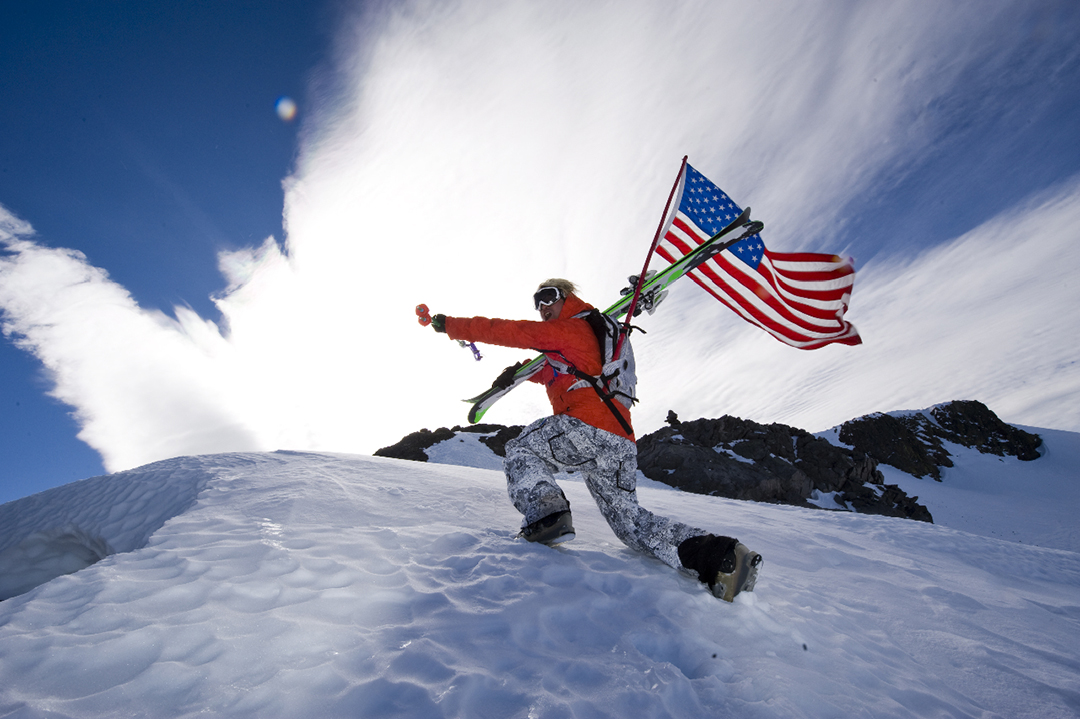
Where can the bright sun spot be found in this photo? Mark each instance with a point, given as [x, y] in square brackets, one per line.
[286, 108]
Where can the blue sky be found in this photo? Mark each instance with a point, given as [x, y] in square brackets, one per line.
[145, 136]
[502, 144]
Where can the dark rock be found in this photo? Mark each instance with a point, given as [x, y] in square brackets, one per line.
[741, 459]
[412, 446]
[973, 424]
[915, 443]
[665, 457]
[898, 443]
[497, 442]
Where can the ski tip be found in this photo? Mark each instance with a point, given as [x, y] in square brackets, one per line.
[475, 414]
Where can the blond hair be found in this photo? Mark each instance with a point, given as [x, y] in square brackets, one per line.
[565, 286]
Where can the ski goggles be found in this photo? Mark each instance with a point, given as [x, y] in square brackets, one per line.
[546, 296]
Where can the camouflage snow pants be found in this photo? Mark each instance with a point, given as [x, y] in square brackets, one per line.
[608, 464]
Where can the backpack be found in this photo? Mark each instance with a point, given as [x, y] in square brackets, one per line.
[617, 380]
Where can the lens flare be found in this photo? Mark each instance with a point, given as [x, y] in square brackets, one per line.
[286, 108]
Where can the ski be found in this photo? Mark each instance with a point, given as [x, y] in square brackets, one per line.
[652, 289]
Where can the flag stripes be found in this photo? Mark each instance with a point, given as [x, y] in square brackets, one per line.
[798, 297]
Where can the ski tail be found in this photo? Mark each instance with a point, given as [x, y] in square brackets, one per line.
[482, 402]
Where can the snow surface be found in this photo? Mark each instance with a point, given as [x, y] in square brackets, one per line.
[319, 585]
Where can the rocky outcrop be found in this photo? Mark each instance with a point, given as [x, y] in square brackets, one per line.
[412, 446]
[915, 442]
[497, 442]
[741, 459]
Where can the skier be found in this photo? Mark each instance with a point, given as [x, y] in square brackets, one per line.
[584, 435]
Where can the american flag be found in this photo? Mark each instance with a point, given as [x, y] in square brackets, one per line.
[797, 297]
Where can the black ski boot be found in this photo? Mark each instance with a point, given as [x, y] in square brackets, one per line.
[552, 529]
[723, 563]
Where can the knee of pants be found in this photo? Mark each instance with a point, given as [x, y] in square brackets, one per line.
[574, 450]
[524, 462]
[622, 474]
[626, 479]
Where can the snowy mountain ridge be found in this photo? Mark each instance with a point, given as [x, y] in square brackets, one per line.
[296, 584]
[737, 458]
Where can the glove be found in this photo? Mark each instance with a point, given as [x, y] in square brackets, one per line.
[438, 323]
[506, 379]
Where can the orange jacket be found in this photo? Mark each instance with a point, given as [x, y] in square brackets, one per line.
[567, 340]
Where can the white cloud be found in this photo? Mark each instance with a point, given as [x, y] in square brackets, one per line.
[481, 147]
[144, 386]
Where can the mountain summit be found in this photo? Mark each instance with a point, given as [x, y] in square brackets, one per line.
[294, 584]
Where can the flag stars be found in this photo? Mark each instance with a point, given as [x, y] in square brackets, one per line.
[710, 207]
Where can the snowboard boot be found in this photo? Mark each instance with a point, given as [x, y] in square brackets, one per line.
[724, 564]
[553, 529]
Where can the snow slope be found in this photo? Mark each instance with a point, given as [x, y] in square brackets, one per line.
[318, 585]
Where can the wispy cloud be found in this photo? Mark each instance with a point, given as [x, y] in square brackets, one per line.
[477, 148]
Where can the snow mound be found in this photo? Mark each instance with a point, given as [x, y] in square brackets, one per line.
[465, 450]
[315, 585]
[66, 529]
[46, 555]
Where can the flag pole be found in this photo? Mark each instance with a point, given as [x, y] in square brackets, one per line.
[656, 241]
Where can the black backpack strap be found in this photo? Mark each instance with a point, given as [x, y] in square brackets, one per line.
[605, 397]
[595, 384]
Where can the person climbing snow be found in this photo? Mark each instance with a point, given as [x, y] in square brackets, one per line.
[594, 437]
